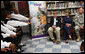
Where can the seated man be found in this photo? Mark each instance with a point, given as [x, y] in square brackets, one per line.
[8, 46]
[79, 23]
[54, 27]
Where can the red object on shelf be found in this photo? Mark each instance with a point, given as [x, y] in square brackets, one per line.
[81, 2]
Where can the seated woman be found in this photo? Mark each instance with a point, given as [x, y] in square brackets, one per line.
[67, 23]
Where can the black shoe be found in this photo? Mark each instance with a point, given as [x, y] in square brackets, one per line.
[23, 45]
[20, 51]
[66, 41]
[57, 42]
[54, 40]
[70, 39]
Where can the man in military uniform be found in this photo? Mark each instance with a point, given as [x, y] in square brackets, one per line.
[79, 23]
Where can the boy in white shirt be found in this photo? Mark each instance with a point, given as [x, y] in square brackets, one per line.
[7, 46]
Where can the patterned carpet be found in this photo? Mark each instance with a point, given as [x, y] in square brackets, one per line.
[47, 46]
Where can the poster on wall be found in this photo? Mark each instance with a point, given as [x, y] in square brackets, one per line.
[38, 21]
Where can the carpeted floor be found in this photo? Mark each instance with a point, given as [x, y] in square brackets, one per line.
[47, 46]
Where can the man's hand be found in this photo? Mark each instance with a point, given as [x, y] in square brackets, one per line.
[53, 26]
[28, 22]
[81, 27]
[13, 36]
[4, 49]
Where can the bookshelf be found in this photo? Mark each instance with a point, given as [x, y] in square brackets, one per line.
[60, 7]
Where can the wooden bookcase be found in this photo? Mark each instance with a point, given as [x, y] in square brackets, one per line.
[60, 7]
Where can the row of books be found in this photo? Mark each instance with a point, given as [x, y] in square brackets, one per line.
[73, 4]
[62, 12]
[57, 5]
[74, 11]
[63, 5]
[58, 12]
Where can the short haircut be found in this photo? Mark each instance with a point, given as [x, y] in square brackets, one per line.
[7, 13]
[67, 11]
[54, 12]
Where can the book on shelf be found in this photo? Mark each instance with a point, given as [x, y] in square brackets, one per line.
[58, 12]
[61, 5]
[62, 12]
[74, 4]
[57, 5]
[74, 11]
[53, 5]
[82, 3]
[49, 13]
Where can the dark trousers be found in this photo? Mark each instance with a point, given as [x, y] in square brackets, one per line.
[20, 35]
[67, 32]
[15, 40]
[12, 40]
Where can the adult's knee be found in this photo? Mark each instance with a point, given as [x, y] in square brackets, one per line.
[57, 29]
[77, 28]
[50, 29]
